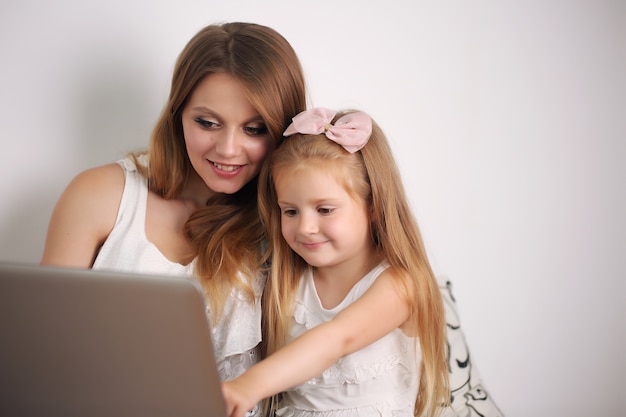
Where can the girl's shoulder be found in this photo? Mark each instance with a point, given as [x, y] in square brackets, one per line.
[399, 275]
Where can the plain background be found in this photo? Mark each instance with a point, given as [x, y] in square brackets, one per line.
[507, 119]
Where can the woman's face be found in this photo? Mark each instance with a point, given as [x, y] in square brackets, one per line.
[225, 136]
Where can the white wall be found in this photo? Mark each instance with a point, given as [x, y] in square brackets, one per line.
[507, 120]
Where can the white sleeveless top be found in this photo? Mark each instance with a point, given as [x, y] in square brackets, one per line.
[379, 380]
[127, 249]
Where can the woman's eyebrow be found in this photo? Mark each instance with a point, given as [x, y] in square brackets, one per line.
[204, 109]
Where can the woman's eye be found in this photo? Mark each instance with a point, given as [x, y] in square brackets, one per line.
[207, 124]
[256, 130]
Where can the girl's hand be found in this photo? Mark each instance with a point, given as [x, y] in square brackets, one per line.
[238, 402]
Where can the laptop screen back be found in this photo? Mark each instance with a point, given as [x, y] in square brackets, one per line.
[92, 343]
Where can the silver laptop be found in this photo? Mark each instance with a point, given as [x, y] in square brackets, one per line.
[79, 342]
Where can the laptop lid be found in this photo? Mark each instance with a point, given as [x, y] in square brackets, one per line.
[79, 342]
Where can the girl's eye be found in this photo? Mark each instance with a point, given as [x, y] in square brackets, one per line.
[325, 210]
[256, 130]
[290, 212]
[207, 124]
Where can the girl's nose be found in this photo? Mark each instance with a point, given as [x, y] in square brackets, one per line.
[307, 224]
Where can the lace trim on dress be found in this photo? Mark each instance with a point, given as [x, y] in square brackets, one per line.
[350, 370]
[239, 329]
[345, 372]
[374, 410]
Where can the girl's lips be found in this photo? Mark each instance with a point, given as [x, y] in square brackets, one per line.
[312, 245]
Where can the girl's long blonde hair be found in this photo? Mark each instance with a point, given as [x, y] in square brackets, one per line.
[226, 234]
[372, 175]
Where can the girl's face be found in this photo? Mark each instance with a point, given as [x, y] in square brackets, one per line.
[320, 221]
[225, 136]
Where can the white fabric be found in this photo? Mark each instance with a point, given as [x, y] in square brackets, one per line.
[379, 380]
[239, 330]
[127, 248]
[237, 335]
[468, 396]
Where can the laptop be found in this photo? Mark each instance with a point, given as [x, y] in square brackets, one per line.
[77, 342]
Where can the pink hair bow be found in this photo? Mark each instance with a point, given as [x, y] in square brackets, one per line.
[352, 131]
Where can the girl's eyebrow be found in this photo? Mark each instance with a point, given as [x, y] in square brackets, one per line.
[284, 203]
[317, 201]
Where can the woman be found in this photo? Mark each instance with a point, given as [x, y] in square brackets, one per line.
[188, 206]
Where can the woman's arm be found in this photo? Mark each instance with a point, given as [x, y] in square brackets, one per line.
[377, 312]
[83, 217]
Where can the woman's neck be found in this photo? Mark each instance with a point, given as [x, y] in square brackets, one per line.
[195, 192]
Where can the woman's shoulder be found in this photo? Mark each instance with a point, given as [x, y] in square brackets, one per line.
[98, 190]
[98, 180]
[84, 215]
[111, 176]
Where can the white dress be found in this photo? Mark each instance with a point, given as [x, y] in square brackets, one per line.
[237, 335]
[379, 380]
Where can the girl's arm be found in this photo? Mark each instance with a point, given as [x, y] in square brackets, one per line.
[83, 217]
[377, 312]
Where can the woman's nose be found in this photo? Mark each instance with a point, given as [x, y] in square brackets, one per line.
[227, 143]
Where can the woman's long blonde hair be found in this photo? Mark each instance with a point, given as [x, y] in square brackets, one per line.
[373, 176]
[226, 234]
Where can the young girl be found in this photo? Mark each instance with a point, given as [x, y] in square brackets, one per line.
[354, 319]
